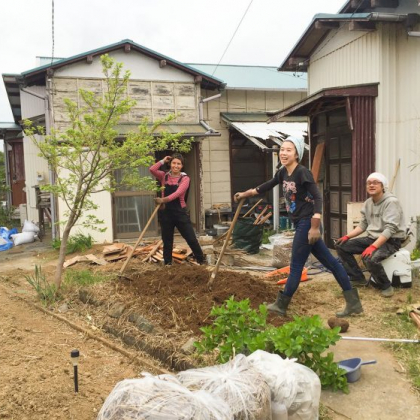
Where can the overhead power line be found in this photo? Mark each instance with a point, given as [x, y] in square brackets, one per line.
[233, 36]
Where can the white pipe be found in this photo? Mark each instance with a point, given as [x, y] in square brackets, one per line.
[276, 196]
[395, 340]
[413, 33]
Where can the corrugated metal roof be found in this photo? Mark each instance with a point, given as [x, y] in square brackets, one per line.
[255, 77]
[117, 45]
[278, 130]
[9, 126]
[313, 35]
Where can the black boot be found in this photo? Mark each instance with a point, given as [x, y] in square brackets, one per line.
[280, 305]
[353, 304]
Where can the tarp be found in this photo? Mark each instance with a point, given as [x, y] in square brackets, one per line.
[247, 236]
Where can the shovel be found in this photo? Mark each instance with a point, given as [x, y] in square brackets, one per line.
[121, 273]
[229, 232]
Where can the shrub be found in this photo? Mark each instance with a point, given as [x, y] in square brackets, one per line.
[237, 328]
[76, 243]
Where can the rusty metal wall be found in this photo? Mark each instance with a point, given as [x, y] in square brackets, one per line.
[363, 144]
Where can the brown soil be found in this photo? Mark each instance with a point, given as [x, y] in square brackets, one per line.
[36, 380]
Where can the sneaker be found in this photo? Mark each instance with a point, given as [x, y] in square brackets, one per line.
[388, 292]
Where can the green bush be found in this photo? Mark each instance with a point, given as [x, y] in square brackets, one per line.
[75, 243]
[237, 328]
[6, 217]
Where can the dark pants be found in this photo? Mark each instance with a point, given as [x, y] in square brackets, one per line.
[300, 253]
[171, 219]
[347, 250]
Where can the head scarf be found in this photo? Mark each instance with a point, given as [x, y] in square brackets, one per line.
[299, 144]
[379, 177]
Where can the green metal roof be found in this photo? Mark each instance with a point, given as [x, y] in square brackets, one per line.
[117, 45]
[10, 126]
[255, 77]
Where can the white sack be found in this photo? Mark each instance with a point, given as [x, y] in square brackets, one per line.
[240, 385]
[292, 384]
[23, 238]
[30, 227]
[161, 399]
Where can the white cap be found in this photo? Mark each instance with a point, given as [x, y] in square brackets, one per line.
[379, 177]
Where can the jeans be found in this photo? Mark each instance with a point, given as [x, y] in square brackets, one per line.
[348, 249]
[174, 218]
[300, 253]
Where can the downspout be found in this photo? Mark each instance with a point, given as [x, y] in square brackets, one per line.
[201, 111]
[387, 17]
[7, 170]
[47, 110]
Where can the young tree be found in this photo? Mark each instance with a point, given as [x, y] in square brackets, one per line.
[85, 157]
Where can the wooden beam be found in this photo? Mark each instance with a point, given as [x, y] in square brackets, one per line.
[362, 26]
[198, 79]
[349, 114]
[316, 163]
[326, 25]
[89, 59]
[127, 48]
[392, 4]
[162, 63]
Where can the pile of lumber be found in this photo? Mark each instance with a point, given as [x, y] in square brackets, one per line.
[152, 253]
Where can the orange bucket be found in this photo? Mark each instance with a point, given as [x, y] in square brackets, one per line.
[286, 270]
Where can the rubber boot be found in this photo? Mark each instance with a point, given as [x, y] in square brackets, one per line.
[280, 305]
[353, 304]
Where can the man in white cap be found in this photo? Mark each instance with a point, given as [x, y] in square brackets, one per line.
[383, 222]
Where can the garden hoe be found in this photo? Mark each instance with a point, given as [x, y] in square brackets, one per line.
[229, 232]
[121, 273]
[392, 340]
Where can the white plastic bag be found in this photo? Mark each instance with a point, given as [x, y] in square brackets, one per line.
[241, 386]
[292, 384]
[30, 227]
[23, 238]
[161, 399]
[282, 249]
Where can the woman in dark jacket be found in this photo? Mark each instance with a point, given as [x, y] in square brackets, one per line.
[304, 205]
[174, 208]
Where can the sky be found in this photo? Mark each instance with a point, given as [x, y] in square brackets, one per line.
[190, 31]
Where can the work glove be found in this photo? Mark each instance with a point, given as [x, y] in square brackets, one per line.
[342, 240]
[314, 233]
[367, 253]
[161, 200]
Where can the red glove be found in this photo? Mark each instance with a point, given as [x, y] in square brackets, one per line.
[367, 253]
[341, 240]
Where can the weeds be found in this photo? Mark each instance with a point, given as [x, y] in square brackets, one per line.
[45, 291]
[84, 278]
[76, 243]
[6, 217]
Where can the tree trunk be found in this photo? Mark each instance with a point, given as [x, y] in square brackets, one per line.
[62, 256]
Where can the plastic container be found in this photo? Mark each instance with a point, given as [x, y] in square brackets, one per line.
[353, 367]
[220, 229]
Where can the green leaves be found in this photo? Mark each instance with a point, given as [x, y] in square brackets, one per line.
[237, 328]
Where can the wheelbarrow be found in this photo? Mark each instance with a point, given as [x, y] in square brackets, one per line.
[353, 367]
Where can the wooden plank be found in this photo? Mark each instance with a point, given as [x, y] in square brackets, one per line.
[316, 163]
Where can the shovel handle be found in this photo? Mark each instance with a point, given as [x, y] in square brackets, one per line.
[139, 240]
[216, 269]
[368, 362]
